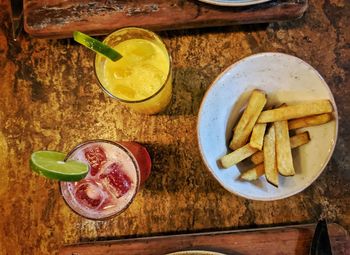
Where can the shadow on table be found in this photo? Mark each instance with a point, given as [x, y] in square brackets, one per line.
[189, 87]
[213, 30]
[178, 166]
[246, 28]
[248, 227]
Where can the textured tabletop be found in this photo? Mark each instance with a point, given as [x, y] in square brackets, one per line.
[49, 99]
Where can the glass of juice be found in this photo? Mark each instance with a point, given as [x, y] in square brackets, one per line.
[116, 172]
[142, 78]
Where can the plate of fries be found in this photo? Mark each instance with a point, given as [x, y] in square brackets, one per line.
[267, 126]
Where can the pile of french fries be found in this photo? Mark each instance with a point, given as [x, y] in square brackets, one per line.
[264, 136]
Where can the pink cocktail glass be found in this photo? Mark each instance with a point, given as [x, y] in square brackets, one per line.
[116, 172]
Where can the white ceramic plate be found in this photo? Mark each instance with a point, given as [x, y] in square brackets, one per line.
[195, 253]
[234, 2]
[286, 79]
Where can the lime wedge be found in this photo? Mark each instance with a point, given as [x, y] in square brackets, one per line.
[96, 46]
[52, 165]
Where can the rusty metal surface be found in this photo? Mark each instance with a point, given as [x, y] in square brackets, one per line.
[50, 100]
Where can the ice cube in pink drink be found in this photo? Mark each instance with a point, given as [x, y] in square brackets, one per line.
[96, 157]
[89, 194]
[117, 178]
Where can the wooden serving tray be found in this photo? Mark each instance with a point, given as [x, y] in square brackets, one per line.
[56, 18]
[277, 240]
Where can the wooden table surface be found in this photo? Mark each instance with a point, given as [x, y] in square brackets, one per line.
[49, 99]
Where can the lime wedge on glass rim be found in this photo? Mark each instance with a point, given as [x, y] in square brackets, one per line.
[52, 165]
[96, 46]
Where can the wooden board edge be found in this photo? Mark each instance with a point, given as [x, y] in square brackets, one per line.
[338, 229]
[60, 32]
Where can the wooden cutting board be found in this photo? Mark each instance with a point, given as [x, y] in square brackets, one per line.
[276, 240]
[56, 18]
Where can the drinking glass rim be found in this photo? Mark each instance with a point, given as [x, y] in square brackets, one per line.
[164, 83]
[134, 161]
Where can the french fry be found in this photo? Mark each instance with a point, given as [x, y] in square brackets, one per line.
[257, 157]
[237, 156]
[283, 150]
[299, 139]
[257, 138]
[254, 173]
[246, 123]
[310, 121]
[295, 141]
[270, 165]
[296, 111]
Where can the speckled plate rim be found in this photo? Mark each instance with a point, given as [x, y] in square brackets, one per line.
[195, 252]
[336, 119]
[233, 3]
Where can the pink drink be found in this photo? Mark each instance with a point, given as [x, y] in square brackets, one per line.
[116, 172]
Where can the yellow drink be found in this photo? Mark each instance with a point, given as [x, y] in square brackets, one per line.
[142, 77]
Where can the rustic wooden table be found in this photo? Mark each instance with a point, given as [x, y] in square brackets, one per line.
[49, 99]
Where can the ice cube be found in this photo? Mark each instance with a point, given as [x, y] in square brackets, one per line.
[125, 92]
[96, 157]
[121, 72]
[117, 179]
[154, 80]
[143, 49]
[89, 194]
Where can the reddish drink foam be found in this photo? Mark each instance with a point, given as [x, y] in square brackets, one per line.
[113, 179]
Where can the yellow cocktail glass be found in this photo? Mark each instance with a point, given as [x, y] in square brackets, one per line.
[142, 78]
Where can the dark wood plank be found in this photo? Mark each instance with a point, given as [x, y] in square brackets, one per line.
[53, 18]
[278, 240]
[5, 17]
